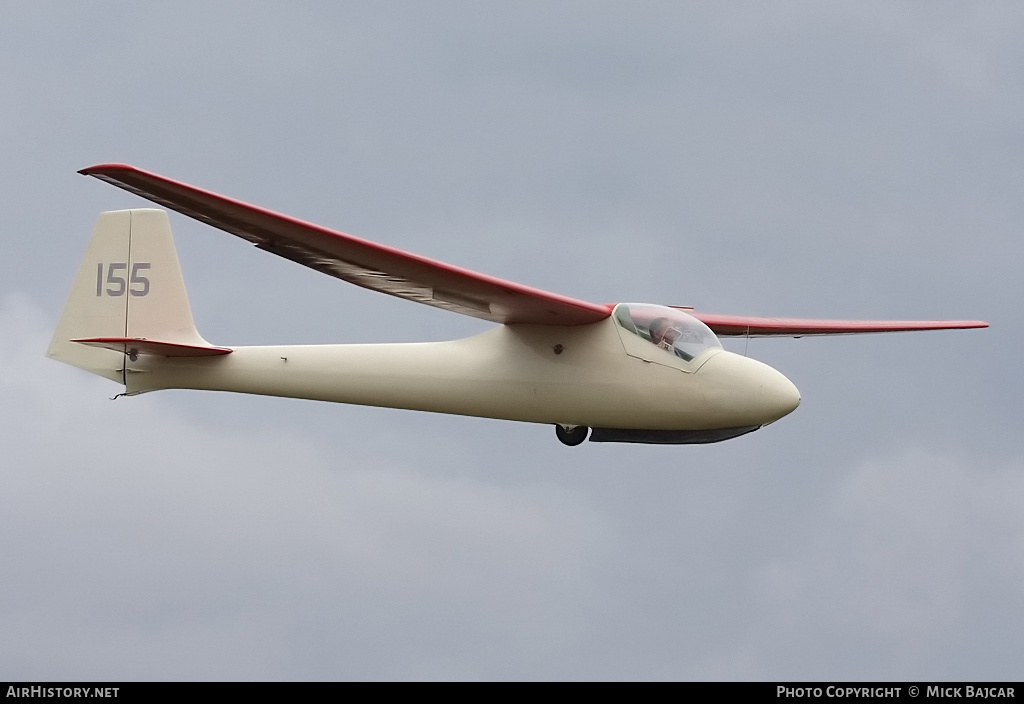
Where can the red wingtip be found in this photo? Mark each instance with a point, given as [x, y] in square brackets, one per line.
[101, 168]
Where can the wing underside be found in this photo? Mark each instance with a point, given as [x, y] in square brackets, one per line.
[415, 278]
[361, 262]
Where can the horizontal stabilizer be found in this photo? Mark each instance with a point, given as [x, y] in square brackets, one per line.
[133, 346]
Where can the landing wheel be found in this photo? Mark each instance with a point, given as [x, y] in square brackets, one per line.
[571, 435]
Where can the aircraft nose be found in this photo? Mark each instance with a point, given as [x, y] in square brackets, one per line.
[777, 395]
[747, 391]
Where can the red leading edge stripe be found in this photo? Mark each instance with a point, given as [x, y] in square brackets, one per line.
[358, 261]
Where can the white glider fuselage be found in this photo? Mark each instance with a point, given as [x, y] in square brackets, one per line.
[640, 373]
[570, 375]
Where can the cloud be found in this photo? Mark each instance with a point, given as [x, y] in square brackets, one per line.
[911, 554]
[851, 161]
[143, 545]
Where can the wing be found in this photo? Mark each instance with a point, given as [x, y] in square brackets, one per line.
[358, 261]
[740, 325]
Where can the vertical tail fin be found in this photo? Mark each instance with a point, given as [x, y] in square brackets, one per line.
[128, 299]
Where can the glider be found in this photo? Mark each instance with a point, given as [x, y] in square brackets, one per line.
[630, 372]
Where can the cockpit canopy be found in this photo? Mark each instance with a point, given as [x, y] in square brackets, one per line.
[670, 329]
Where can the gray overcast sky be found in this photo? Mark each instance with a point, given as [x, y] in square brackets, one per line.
[845, 159]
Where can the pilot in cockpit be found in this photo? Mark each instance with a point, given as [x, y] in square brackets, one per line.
[665, 335]
[662, 333]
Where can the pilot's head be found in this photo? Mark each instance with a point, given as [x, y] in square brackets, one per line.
[662, 332]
